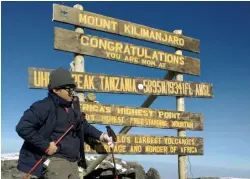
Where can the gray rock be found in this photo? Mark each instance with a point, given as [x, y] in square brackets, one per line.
[139, 170]
[9, 170]
[153, 174]
[106, 165]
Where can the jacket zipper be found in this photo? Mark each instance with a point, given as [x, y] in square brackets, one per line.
[67, 111]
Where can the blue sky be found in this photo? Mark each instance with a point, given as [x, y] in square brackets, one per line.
[223, 30]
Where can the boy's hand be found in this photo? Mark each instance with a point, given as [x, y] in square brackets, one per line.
[52, 148]
[105, 138]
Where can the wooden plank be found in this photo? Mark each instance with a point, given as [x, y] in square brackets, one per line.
[150, 145]
[142, 149]
[71, 41]
[102, 83]
[94, 21]
[141, 117]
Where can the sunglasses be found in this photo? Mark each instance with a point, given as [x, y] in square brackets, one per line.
[70, 90]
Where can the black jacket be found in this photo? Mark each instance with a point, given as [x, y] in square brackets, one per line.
[36, 126]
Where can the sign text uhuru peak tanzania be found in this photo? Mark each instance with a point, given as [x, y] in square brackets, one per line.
[38, 78]
[71, 41]
[125, 28]
[141, 117]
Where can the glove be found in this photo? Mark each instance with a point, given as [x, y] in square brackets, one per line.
[105, 138]
[82, 163]
[77, 125]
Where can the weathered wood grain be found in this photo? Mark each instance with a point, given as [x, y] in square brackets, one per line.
[141, 117]
[145, 144]
[70, 41]
[94, 21]
[102, 83]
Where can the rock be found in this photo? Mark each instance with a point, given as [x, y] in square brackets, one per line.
[107, 166]
[152, 174]
[139, 170]
[9, 169]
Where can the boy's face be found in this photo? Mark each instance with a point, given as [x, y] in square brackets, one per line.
[66, 93]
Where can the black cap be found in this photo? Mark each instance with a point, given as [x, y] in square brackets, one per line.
[61, 77]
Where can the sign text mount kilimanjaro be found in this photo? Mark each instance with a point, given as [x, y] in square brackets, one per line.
[107, 24]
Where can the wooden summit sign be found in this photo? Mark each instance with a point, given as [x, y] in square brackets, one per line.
[102, 83]
[71, 41]
[94, 21]
[141, 117]
[145, 144]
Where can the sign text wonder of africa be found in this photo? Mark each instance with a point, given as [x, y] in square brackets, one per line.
[145, 144]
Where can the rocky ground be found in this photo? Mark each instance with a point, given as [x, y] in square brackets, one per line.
[126, 170]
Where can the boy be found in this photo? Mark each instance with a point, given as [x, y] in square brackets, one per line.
[46, 121]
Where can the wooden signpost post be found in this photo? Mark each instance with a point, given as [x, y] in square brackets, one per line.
[107, 114]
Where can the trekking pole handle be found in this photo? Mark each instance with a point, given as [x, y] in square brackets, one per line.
[111, 133]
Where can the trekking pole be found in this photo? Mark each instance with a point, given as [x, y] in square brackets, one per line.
[47, 150]
[112, 134]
